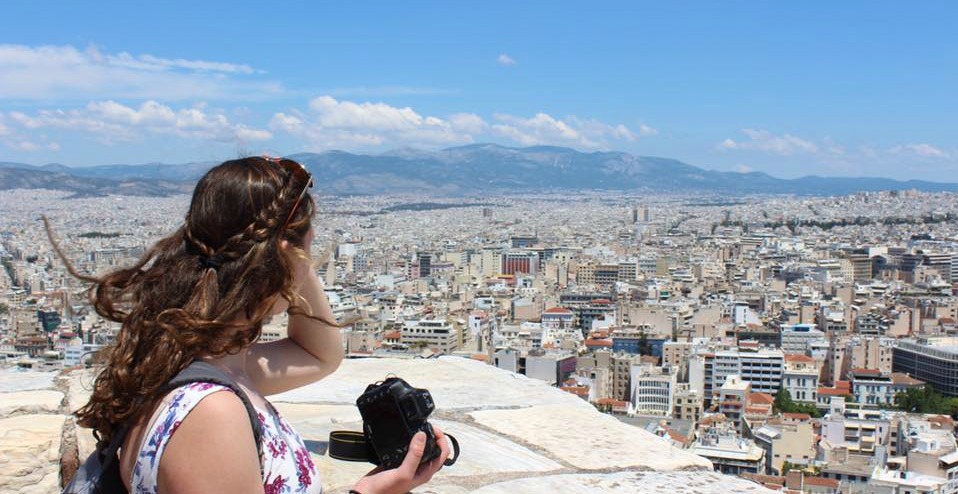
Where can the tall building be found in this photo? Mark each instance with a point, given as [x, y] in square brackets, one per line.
[762, 368]
[520, 262]
[622, 375]
[933, 360]
[733, 398]
[425, 264]
[861, 267]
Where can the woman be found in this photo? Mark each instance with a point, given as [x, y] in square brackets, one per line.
[242, 255]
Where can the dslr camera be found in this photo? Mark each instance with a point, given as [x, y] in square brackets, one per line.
[393, 412]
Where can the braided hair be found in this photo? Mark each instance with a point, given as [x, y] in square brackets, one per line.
[181, 300]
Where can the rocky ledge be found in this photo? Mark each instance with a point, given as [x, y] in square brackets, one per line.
[518, 435]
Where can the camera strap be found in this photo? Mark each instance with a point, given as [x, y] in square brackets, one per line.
[353, 446]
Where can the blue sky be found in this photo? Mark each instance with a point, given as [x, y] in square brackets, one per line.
[826, 88]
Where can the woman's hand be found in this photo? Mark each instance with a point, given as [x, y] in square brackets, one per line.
[410, 474]
[304, 266]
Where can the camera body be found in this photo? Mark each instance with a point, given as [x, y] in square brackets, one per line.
[393, 412]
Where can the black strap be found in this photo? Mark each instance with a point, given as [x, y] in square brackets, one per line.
[455, 451]
[353, 446]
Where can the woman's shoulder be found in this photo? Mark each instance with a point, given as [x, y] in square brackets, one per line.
[213, 449]
[204, 429]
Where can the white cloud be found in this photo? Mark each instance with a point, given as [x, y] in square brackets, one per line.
[112, 121]
[763, 140]
[743, 168]
[27, 146]
[645, 130]
[542, 128]
[66, 73]
[505, 59]
[923, 150]
[149, 62]
[331, 123]
[469, 123]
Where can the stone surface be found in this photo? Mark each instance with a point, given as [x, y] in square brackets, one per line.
[488, 454]
[30, 453]
[627, 483]
[18, 380]
[26, 402]
[573, 435]
[78, 385]
[451, 380]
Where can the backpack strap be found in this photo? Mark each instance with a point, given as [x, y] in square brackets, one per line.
[200, 371]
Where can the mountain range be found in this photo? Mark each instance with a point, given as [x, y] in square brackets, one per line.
[464, 170]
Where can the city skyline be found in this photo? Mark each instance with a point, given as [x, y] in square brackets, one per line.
[847, 90]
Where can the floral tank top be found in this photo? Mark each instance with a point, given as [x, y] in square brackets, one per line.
[287, 466]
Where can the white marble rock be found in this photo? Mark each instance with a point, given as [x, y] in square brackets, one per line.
[13, 379]
[30, 402]
[454, 382]
[588, 439]
[628, 483]
[30, 453]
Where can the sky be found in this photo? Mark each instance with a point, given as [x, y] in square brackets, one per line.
[857, 88]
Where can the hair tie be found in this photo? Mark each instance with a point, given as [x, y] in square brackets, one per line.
[211, 262]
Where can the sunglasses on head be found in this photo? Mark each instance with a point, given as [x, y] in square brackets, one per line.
[297, 171]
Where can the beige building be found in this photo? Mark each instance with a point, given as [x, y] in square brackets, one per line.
[688, 403]
[801, 378]
[621, 365]
[790, 439]
[733, 398]
[676, 353]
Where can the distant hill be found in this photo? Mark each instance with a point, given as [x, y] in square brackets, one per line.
[472, 169]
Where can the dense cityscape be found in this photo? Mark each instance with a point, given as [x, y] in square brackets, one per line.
[807, 342]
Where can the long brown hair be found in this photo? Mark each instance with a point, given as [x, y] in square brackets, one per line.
[180, 300]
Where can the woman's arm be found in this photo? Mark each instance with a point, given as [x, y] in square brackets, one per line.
[212, 450]
[312, 350]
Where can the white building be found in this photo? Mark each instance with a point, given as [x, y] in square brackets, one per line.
[762, 368]
[653, 389]
[801, 378]
[437, 334]
[797, 338]
[729, 453]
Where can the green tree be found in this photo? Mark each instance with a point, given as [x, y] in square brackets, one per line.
[784, 404]
[925, 400]
[783, 401]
